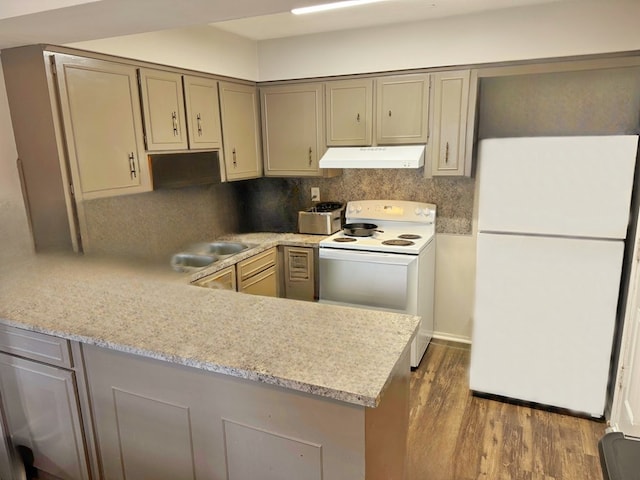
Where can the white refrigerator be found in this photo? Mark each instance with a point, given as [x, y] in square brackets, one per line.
[552, 218]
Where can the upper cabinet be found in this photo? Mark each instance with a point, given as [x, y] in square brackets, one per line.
[402, 109]
[163, 110]
[349, 107]
[240, 127]
[292, 128]
[450, 148]
[100, 108]
[203, 112]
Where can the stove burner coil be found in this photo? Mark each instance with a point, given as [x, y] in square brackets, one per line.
[396, 242]
[410, 236]
[344, 239]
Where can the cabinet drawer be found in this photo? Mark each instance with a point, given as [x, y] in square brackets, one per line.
[35, 346]
[254, 265]
[265, 283]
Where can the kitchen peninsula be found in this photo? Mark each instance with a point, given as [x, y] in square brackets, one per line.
[177, 381]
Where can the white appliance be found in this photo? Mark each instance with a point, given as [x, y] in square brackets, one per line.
[391, 270]
[552, 218]
[392, 156]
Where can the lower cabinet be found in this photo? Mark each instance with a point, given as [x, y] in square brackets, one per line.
[40, 405]
[290, 272]
[257, 275]
[224, 279]
[299, 273]
[162, 421]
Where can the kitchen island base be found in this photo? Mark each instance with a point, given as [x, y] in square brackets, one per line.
[155, 419]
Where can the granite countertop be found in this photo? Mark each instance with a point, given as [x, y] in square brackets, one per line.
[341, 353]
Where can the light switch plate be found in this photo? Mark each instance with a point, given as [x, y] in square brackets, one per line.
[315, 194]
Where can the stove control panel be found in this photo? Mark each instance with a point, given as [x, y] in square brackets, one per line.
[392, 210]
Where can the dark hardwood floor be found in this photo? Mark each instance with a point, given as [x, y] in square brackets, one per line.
[454, 435]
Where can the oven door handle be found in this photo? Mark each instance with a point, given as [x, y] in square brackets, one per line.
[366, 256]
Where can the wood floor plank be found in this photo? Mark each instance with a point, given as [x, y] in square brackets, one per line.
[455, 435]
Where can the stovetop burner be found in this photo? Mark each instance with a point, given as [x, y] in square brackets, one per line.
[410, 236]
[398, 242]
[345, 239]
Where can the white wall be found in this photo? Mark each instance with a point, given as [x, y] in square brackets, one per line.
[540, 31]
[15, 239]
[203, 48]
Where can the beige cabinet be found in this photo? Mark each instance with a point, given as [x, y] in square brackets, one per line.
[203, 113]
[240, 128]
[163, 110]
[292, 125]
[101, 113]
[162, 421]
[448, 146]
[258, 275]
[349, 107]
[224, 279]
[180, 112]
[40, 403]
[299, 272]
[402, 106]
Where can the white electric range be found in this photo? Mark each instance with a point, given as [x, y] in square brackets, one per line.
[392, 269]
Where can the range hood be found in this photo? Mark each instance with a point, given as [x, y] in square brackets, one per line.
[401, 156]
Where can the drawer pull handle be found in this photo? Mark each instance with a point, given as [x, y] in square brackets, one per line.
[132, 165]
[174, 119]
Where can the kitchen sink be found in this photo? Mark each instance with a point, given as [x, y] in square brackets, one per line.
[204, 254]
[224, 249]
[186, 261]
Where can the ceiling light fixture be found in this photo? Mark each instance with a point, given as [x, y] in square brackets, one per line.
[331, 6]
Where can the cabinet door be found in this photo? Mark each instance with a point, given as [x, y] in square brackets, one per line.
[103, 128]
[240, 129]
[292, 122]
[349, 107]
[264, 283]
[402, 109]
[258, 275]
[450, 105]
[42, 414]
[224, 279]
[299, 271]
[203, 112]
[163, 108]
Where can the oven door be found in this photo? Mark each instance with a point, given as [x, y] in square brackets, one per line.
[383, 281]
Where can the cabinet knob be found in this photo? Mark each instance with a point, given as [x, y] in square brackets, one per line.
[310, 156]
[233, 155]
[358, 118]
[389, 112]
[199, 121]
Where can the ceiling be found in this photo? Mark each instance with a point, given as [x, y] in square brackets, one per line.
[59, 22]
[384, 13]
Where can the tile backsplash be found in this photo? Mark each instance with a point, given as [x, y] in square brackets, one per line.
[157, 224]
[272, 204]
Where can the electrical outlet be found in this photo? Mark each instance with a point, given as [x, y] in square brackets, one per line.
[315, 194]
